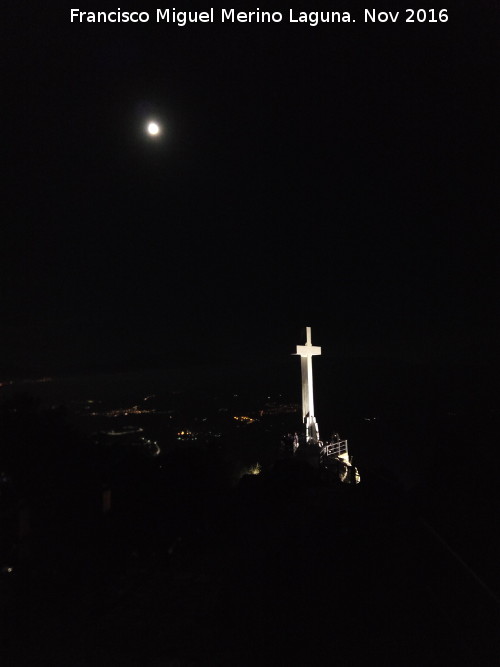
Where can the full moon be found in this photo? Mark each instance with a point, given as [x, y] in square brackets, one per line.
[153, 129]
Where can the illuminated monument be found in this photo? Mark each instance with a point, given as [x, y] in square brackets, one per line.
[306, 353]
[333, 454]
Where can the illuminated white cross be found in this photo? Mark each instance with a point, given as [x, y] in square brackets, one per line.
[306, 353]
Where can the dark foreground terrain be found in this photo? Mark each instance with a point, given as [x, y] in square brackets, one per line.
[283, 569]
[111, 556]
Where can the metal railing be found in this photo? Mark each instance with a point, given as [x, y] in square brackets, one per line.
[334, 449]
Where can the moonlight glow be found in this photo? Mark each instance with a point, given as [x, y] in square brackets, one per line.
[153, 129]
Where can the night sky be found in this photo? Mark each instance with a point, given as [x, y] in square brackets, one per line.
[343, 176]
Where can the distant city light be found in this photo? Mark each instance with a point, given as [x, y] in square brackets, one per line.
[134, 410]
[244, 420]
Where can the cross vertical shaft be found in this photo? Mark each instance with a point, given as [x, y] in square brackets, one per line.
[306, 353]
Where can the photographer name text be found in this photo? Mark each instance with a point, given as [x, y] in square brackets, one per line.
[292, 16]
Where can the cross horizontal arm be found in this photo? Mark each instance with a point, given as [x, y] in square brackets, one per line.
[308, 350]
